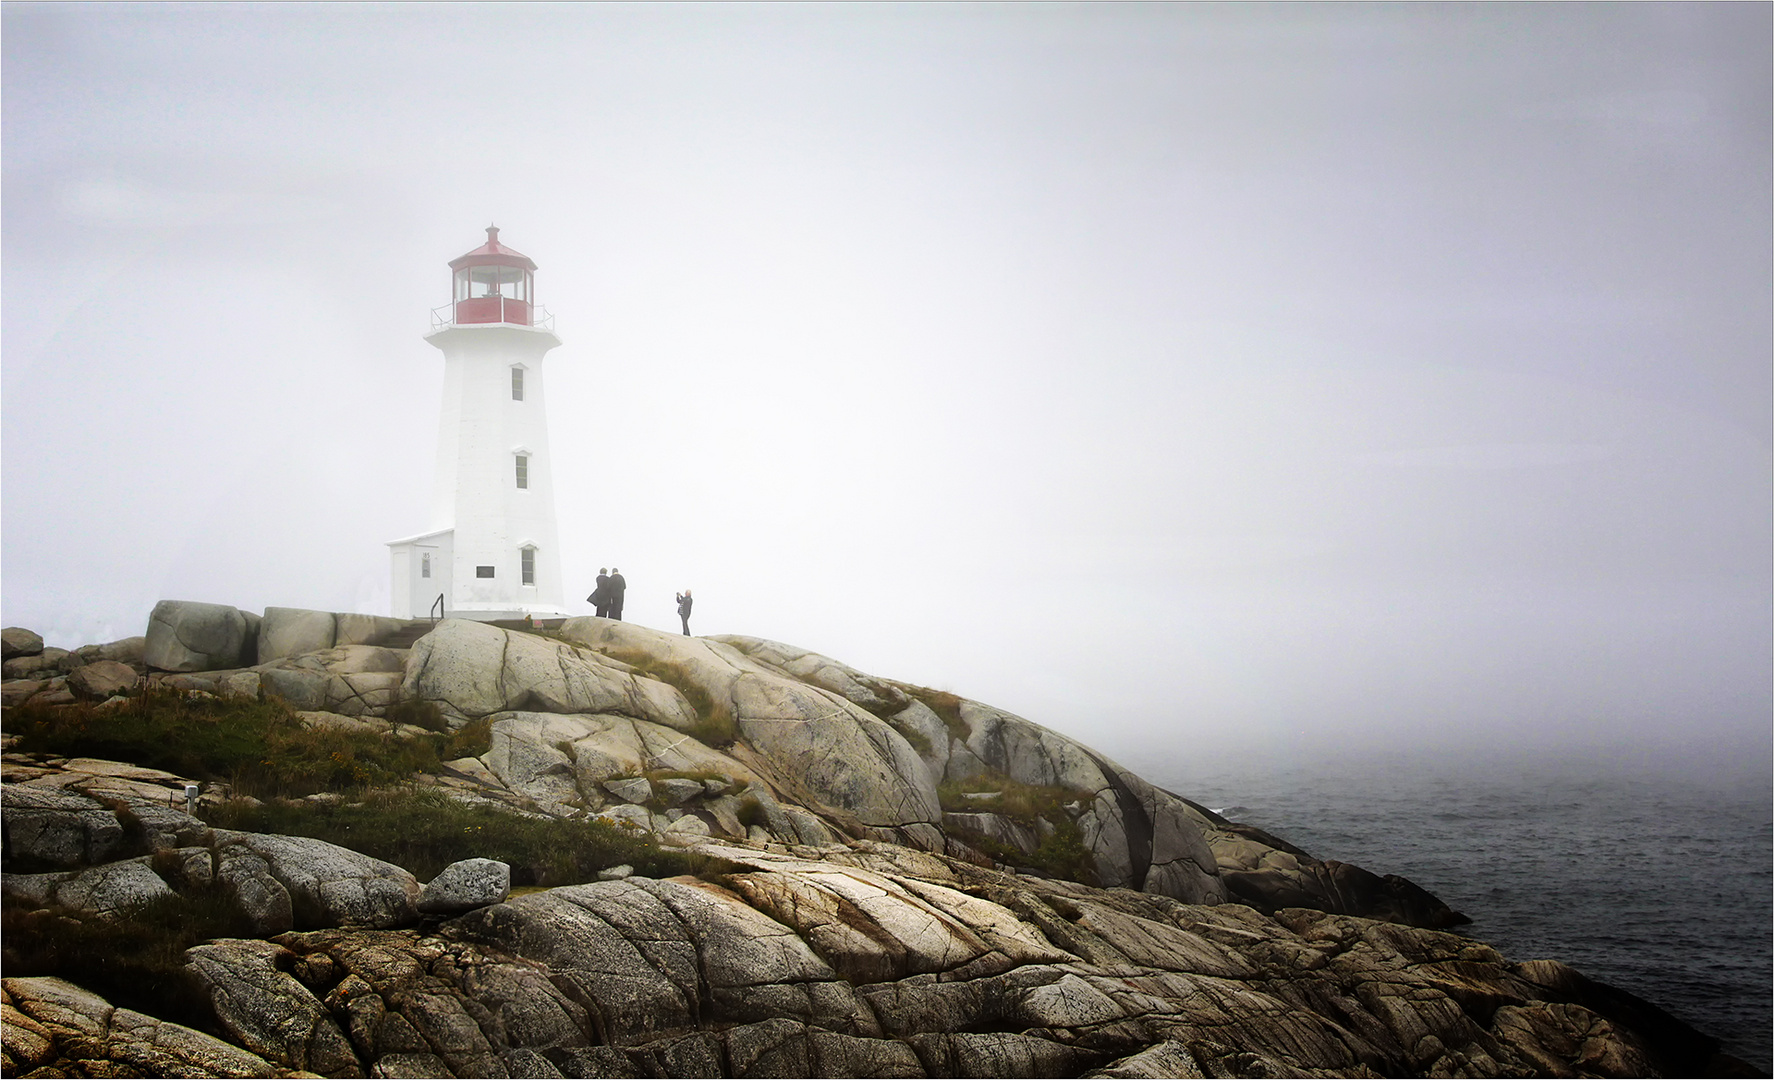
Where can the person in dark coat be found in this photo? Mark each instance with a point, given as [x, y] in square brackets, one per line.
[600, 596]
[684, 610]
[618, 586]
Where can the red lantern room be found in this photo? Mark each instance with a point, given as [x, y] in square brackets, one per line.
[493, 284]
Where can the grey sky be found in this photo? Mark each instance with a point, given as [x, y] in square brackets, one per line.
[1207, 377]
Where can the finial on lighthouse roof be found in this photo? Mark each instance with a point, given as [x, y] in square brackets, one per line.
[493, 237]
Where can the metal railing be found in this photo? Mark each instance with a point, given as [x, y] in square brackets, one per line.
[437, 606]
[445, 317]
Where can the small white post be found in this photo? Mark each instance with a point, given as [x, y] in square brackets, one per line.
[191, 799]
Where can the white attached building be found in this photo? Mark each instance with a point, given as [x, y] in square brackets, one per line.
[491, 551]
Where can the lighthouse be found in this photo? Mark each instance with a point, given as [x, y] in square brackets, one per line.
[491, 551]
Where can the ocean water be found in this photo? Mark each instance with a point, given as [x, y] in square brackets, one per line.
[1654, 880]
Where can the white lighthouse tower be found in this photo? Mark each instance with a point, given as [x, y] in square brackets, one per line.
[492, 550]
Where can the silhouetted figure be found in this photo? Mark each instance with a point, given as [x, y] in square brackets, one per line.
[600, 596]
[618, 586]
[684, 610]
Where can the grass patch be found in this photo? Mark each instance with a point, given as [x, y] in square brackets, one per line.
[424, 831]
[1012, 799]
[1060, 853]
[470, 740]
[918, 740]
[715, 725]
[943, 704]
[419, 713]
[136, 962]
[260, 748]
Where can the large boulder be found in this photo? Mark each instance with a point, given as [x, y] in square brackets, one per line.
[58, 827]
[269, 1011]
[466, 885]
[125, 651]
[49, 1019]
[327, 885]
[187, 636]
[17, 641]
[44, 663]
[352, 680]
[294, 631]
[472, 670]
[814, 745]
[365, 629]
[112, 890]
[102, 679]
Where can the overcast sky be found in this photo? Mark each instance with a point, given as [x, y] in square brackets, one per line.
[1192, 380]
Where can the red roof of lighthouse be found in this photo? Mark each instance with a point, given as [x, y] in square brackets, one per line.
[493, 253]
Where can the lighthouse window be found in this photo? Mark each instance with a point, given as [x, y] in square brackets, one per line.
[483, 571]
[523, 471]
[529, 558]
[517, 384]
[425, 564]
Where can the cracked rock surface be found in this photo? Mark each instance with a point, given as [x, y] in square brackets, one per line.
[876, 961]
[850, 920]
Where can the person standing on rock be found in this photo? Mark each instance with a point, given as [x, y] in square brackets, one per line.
[618, 586]
[600, 596]
[684, 610]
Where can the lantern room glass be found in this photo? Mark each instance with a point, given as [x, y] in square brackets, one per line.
[511, 282]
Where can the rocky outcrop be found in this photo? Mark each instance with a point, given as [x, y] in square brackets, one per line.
[286, 632]
[848, 920]
[466, 885]
[17, 641]
[187, 636]
[101, 679]
[55, 1026]
[351, 680]
[880, 961]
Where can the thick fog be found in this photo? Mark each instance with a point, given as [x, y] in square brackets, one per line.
[1192, 380]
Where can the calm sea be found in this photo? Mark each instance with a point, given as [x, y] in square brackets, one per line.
[1655, 881]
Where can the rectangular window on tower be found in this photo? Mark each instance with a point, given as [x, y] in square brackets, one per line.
[523, 470]
[425, 564]
[529, 556]
[517, 383]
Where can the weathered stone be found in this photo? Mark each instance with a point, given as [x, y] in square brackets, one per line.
[270, 1012]
[1169, 1058]
[676, 791]
[18, 691]
[102, 678]
[18, 641]
[187, 636]
[57, 826]
[32, 890]
[241, 684]
[303, 690]
[129, 650]
[294, 631]
[55, 693]
[329, 885]
[466, 885]
[365, 629]
[826, 944]
[44, 662]
[27, 1044]
[631, 789]
[113, 890]
[262, 898]
[105, 1041]
[473, 670]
